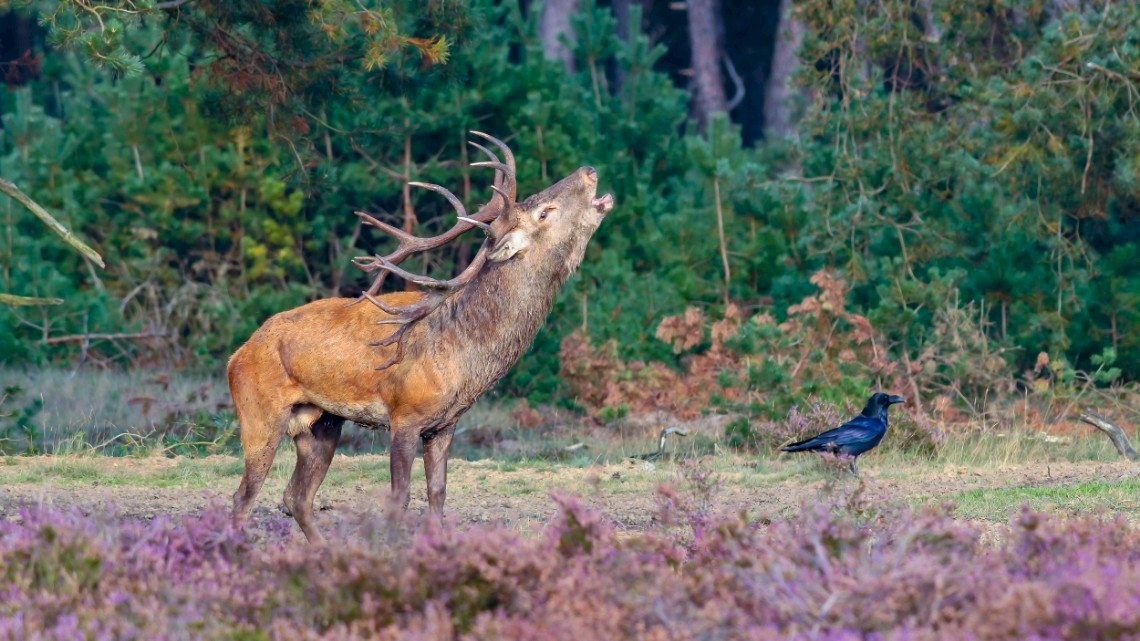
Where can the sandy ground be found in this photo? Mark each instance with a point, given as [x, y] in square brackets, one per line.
[482, 491]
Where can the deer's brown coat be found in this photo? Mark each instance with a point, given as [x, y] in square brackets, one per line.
[307, 370]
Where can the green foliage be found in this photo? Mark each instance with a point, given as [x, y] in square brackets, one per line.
[281, 52]
[998, 154]
[612, 413]
[18, 434]
[978, 189]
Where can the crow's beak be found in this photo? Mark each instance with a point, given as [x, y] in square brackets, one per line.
[896, 399]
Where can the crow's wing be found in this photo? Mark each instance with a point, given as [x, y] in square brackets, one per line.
[857, 431]
[860, 429]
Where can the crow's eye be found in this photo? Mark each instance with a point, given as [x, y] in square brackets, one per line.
[546, 211]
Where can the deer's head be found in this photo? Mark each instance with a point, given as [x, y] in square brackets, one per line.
[545, 236]
[555, 223]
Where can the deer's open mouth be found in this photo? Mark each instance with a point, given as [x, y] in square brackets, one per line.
[603, 203]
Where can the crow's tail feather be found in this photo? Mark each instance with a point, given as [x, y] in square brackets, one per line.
[803, 446]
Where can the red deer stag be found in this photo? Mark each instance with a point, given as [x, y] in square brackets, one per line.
[410, 362]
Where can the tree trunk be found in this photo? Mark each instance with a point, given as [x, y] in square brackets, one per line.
[19, 63]
[933, 34]
[553, 25]
[779, 120]
[620, 10]
[704, 37]
[624, 29]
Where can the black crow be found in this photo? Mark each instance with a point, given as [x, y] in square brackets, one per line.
[859, 435]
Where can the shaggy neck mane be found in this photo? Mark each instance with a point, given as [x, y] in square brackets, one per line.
[485, 328]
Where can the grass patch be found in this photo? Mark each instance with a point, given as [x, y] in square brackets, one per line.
[997, 504]
[1024, 446]
[86, 471]
[358, 469]
[82, 472]
[517, 491]
[128, 415]
[520, 486]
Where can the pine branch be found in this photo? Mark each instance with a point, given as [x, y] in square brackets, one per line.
[102, 337]
[27, 301]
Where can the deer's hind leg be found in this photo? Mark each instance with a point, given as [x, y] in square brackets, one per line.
[264, 413]
[316, 445]
[260, 437]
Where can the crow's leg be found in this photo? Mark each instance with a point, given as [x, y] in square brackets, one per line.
[854, 468]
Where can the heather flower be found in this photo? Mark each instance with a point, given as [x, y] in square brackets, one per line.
[849, 569]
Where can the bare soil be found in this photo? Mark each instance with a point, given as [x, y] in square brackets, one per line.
[486, 491]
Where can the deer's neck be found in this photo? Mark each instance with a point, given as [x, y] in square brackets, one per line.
[484, 330]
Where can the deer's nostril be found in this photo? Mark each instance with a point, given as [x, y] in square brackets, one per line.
[591, 174]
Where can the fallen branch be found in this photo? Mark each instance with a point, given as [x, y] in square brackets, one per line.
[660, 453]
[64, 233]
[101, 337]
[680, 431]
[1114, 432]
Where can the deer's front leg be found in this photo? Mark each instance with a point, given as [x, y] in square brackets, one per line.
[403, 454]
[436, 448]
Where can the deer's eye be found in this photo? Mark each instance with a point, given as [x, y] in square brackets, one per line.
[546, 211]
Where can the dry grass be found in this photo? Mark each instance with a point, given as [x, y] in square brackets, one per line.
[91, 407]
[508, 464]
[82, 410]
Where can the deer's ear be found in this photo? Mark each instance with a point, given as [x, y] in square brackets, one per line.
[509, 245]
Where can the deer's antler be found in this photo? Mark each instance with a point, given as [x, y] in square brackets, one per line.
[505, 188]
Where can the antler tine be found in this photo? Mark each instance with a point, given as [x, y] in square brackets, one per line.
[400, 234]
[399, 255]
[446, 193]
[480, 224]
[506, 187]
[501, 172]
[490, 163]
[508, 155]
[399, 355]
[508, 165]
[375, 263]
[502, 193]
[410, 244]
[490, 154]
[385, 307]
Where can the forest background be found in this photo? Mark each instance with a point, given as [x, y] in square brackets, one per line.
[814, 197]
